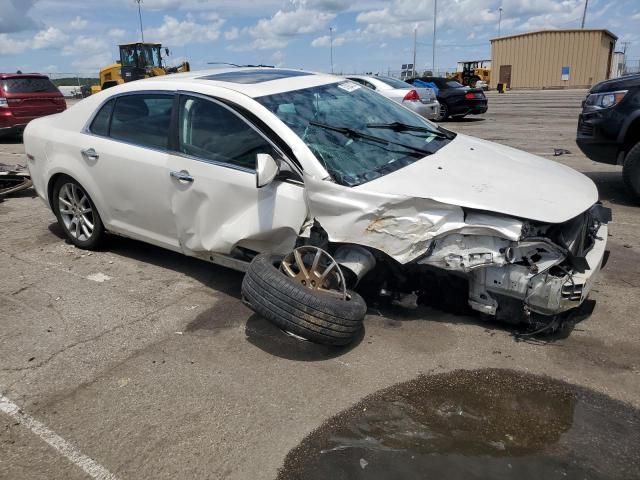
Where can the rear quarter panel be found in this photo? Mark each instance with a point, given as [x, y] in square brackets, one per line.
[53, 146]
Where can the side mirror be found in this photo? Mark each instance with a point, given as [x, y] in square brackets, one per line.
[266, 169]
[166, 51]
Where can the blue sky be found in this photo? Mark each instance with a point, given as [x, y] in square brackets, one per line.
[59, 36]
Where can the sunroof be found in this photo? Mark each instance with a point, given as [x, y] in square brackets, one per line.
[254, 76]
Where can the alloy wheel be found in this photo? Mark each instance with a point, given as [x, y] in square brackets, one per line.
[76, 211]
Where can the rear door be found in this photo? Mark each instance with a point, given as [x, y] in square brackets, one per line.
[214, 198]
[31, 97]
[126, 153]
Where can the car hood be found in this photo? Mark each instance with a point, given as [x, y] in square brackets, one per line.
[482, 175]
[619, 83]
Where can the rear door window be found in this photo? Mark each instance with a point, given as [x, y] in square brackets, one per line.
[213, 132]
[100, 124]
[142, 119]
[28, 85]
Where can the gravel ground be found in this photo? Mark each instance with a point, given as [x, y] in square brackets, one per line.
[146, 364]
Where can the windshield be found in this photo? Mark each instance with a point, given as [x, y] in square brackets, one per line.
[454, 84]
[394, 82]
[27, 85]
[140, 56]
[352, 110]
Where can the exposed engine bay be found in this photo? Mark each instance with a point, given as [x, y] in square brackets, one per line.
[547, 271]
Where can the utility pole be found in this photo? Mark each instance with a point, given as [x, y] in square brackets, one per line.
[584, 14]
[624, 56]
[433, 54]
[499, 20]
[415, 33]
[140, 18]
[331, 42]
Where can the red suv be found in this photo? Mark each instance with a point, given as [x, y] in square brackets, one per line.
[25, 96]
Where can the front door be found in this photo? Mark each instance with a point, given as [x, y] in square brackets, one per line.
[214, 199]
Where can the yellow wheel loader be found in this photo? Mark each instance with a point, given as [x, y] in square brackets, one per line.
[468, 73]
[137, 60]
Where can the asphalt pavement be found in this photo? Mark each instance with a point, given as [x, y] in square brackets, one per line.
[135, 362]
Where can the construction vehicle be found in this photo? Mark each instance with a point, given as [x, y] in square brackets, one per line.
[469, 72]
[137, 60]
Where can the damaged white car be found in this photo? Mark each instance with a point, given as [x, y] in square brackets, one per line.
[318, 189]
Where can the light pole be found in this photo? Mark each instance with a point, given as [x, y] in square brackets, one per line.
[433, 53]
[331, 43]
[584, 13]
[140, 18]
[415, 33]
[499, 20]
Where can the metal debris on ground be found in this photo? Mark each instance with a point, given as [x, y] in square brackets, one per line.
[13, 179]
[560, 151]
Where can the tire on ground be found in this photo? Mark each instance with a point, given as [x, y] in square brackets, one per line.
[289, 305]
[631, 171]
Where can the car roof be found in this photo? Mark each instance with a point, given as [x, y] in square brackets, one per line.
[251, 81]
[22, 75]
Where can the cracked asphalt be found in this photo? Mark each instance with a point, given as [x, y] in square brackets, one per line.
[147, 362]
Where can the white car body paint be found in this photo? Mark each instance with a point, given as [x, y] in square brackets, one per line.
[460, 209]
[483, 175]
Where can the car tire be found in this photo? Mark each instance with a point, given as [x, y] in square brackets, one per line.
[314, 316]
[443, 113]
[631, 170]
[77, 214]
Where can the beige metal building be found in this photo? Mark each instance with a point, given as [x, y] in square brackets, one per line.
[552, 58]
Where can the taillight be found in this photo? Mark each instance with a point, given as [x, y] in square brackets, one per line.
[412, 96]
[469, 96]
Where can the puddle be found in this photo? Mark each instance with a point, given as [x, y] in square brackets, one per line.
[497, 424]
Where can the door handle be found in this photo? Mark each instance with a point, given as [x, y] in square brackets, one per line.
[182, 175]
[90, 154]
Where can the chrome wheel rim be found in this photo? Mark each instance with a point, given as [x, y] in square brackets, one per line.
[76, 211]
[315, 269]
[443, 112]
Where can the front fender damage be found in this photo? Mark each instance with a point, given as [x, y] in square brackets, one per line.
[402, 227]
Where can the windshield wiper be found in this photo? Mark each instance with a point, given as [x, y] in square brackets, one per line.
[404, 127]
[349, 132]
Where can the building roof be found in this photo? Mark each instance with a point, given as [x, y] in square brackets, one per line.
[607, 32]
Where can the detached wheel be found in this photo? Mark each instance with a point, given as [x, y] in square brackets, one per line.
[76, 214]
[302, 295]
[443, 113]
[631, 171]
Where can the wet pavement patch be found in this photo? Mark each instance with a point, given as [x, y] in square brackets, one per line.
[492, 423]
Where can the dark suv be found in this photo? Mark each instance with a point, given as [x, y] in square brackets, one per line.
[609, 126]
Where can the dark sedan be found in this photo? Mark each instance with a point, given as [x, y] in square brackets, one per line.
[455, 99]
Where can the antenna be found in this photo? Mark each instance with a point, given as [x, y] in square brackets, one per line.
[140, 18]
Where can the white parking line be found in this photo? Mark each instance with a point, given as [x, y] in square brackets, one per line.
[92, 468]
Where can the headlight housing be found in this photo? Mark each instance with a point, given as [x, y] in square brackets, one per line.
[606, 99]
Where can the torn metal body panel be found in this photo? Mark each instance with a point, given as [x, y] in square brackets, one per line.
[401, 226]
[537, 264]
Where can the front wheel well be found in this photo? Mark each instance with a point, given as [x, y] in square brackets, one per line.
[632, 135]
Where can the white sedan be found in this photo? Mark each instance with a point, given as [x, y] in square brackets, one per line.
[319, 188]
[423, 101]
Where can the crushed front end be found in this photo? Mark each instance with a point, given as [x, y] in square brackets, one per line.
[548, 271]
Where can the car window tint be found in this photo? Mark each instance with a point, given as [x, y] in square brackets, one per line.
[142, 119]
[100, 124]
[212, 132]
